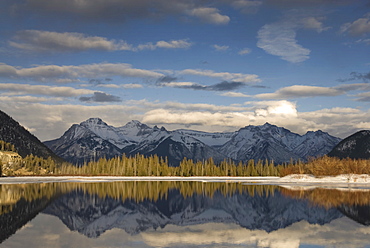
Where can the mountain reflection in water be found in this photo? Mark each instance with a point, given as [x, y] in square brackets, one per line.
[139, 208]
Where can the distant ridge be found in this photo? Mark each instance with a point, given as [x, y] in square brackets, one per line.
[356, 146]
[24, 142]
[93, 139]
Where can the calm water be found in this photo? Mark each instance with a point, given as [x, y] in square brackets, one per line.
[181, 214]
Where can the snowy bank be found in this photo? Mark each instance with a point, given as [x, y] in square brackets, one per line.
[295, 179]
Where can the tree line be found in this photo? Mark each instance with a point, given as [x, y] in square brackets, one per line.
[5, 146]
[140, 165]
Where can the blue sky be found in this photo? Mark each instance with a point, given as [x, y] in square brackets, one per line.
[204, 65]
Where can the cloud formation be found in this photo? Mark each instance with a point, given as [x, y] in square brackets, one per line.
[223, 86]
[36, 40]
[173, 44]
[112, 10]
[234, 94]
[23, 89]
[45, 41]
[57, 118]
[363, 97]
[209, 15]
[244, 51]
[124, 86]
[357, 76]
[279, 38]
[305, 3]
[100, 97]
[227, 76]
[220, 48]
[246, 6]
[296, 91]
[54, 72]
[359, 27]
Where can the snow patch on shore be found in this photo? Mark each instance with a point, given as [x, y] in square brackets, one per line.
[347, 180]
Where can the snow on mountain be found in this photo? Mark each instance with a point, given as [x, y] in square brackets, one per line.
[210, 139]
[106, 132]
[277, 144]
[79, 144]
[251, 142]
[175, 147]
[134, 131]
[316, 144]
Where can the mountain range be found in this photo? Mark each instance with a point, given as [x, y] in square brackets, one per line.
[93, 139]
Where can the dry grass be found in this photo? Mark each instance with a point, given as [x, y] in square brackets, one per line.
[330, 198]
[329, 166]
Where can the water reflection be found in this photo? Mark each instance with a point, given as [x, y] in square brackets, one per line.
[165, 214]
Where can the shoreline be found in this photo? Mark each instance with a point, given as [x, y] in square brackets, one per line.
[348, 180]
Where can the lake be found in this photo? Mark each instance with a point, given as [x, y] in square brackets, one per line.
[181, 214]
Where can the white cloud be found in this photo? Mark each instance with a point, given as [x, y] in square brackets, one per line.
[29, 99]
[359, 27]
[341, 232]
[314, 23]
[177, 84]
[220, 48]
[173, 44]
[283, 108]
[21, 89]
[120, 11]
[237, 77]
[7, 70]
[209, 15]
[164, 116]
[57, 118]
[36, 40]
[244, 51]
[296, 91]
[363, 97]
[234, 94]
[246, 6]
[45, 41]
[71, 73]
[366, 41]
[118, 86]
[279, 38]
[51, 121]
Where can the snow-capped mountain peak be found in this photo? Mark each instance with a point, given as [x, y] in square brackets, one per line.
[93, 122]
[251, 142]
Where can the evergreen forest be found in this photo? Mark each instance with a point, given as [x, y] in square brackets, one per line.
[140, 165]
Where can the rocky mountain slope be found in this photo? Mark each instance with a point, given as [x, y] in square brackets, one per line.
[355, 146]
[94, 138]
[25, 142]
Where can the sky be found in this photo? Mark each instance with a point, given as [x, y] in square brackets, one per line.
[204, 65]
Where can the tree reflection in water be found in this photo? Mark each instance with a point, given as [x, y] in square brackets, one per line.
[136, 206]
